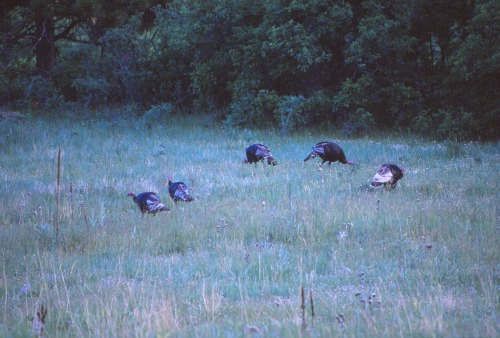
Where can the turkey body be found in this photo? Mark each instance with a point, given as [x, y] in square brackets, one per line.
[388, 174]
[328, 152]
[259, 152]
[148, 202]
[179, 191]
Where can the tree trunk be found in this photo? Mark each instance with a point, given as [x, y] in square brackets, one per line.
[44, 47]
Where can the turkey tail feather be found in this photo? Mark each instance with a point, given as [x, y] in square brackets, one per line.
[158, 207]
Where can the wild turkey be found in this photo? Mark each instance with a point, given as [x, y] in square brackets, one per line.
[388, 174]
[148, 202]
[328, 151]
[178, 191]
[259, 152]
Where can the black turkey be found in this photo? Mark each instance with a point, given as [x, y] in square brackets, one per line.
[388, 174]
[328, 152]
[259, 152]
[148, 202]
[178, 191]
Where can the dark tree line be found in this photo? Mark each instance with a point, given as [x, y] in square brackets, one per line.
[430, 66]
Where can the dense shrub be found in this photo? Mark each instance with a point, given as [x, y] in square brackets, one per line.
[357, 65]
[254, 109]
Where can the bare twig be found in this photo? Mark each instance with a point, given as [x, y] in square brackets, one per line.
[312, 307]
[71, 199]
[303, 307]
[39, 321]
[86, 221]
[42, 34]
[58, 192]
[340, 319]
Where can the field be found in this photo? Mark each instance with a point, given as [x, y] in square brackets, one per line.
[421, 260]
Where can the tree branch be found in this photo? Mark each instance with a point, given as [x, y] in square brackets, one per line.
[65, 32]
[87, 42]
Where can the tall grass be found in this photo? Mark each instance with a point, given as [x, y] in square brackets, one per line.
[421, 260]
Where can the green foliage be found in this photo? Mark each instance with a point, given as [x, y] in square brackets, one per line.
[457, 125]
[76, 65]
[353, 103]
[475, 69]
[254, 110]
[158, 114]
[40, 92]
[364, 65]
[164, 109]
[13, 68]
[423, 123]
[291, 49]
[382, 53]
[317, 109]
[448, 124]
[95, 90]
[359, 121]
[267, 109]
[289, 112]
[126, 55]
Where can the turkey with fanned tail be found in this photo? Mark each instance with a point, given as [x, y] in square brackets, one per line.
[178, 191]
[148, 202]
[388, 174]
[259, 152]
[328, 152]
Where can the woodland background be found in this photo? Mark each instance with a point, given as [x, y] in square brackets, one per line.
[419, 66]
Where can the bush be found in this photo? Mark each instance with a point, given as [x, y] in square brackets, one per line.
[456, 124]
[359, 121]
[92, 91]
[253, 109]
[158, 112]
[451, 124]
[40, 92]
[317, 109]
[266, 108]
[422, 122]
[289, 112]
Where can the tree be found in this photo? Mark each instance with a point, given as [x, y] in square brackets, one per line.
[381, 54]
[361, 64]
[474, 69]
[40, 24]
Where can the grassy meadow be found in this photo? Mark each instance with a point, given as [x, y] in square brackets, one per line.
[421, 260]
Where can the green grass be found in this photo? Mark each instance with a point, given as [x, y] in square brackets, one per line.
[421, 260]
